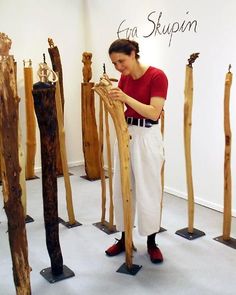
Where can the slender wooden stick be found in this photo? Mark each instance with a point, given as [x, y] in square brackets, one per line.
[163, 166]
[30, 122]
[227, 162]
[188, 101]
[10, 175]
[111, 208]
[103, 180]
[116, 110]
[61, 132]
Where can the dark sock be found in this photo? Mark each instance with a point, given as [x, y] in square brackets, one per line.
[151, 240]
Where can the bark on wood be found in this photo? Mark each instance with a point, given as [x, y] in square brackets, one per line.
[10, 175]
[89, 132]
[30, 124]
[227, 161]
[116, 110]
[188, 101]
[44, 104]
[60, 124]
[57, 67]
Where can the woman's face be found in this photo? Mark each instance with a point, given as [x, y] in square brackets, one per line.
[123, 63]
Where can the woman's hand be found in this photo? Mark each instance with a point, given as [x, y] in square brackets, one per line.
[117, 94]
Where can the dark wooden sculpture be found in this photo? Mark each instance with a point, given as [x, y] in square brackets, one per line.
[10, 168]
[57, 67]
[45, 108]
[89, 126]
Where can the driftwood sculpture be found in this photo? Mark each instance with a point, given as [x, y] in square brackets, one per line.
[189, 233]
[30, 122]
[10, 168]
[45, 108]
[115, 108]
[89, 126]
[57, 68]
[227, 163]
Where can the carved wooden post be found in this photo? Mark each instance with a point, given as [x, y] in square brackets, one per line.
[115, 108]
[57, 67]
[11, 169]
[190, 232]
[30, 122]
[89, 126]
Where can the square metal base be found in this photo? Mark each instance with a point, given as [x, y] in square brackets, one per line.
[67, 224]
[62, 175]
[105, 227]
[129, 271]
[231, 242]
[32, 178]
[162, 229]
[190, 236]
[66, 274]
[28, 219]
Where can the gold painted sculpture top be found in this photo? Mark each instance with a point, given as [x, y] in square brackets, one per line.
[87, 70]
[44, 73]
[5, 44]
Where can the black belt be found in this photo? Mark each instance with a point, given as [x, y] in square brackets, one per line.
[140, 122]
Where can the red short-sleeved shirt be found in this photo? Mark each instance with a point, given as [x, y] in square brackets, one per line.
[151, 84]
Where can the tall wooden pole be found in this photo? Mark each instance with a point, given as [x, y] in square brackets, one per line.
[227, 161]
[116, 111]
[10, 175]
[30, 121]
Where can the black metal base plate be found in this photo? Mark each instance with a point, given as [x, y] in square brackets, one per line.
[62, 175]
[28, 219]
[66, 274]
[190, 236]
[129, 271]
[105, 227]
[162, 229]
[67, 224]
[231, 242]
[33, 178]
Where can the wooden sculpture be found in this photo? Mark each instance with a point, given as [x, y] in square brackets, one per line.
[89, 126]
[115, 108]
[227, 161]
[61, 131]
[57, 68]
[190, 232]
[163, 166]
[45, 108]
[30, 122]
[9, 114]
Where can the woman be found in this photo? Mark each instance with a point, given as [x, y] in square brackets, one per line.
[143, 89]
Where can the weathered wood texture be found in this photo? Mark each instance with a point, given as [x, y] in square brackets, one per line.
[227, 160]
[10, 175]
[89, 132]
[30, 124]
[116, 110]
[44, 104]
[57, 67]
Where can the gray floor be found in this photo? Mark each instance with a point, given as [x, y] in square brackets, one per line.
[201, 266]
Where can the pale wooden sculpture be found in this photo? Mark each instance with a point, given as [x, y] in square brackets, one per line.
[57, 67]
[89, 126]
[163, 166]
[227, 161]
[61, 132]
[30, 121]
[188, 101]
[116, 110]
[10, 169]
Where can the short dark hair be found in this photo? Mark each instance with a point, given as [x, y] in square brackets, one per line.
[125, 46]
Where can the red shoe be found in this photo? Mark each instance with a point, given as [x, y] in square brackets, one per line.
[116, 249]
[155, 254]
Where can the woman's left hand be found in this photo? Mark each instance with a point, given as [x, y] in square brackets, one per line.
[117, 94]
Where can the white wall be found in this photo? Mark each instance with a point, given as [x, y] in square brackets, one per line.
[29, 23]
[214, 39]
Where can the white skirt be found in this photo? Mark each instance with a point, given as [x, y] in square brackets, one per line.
[146, 160]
